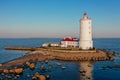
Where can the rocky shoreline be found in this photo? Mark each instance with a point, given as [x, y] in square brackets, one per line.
[17, 66]
[33, 56]
[40, 55]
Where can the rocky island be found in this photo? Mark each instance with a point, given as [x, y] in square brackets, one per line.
[39, 54]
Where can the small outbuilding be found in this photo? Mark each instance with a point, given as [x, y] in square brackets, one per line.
[50, 45]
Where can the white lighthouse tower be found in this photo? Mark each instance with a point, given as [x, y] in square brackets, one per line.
[86, 33]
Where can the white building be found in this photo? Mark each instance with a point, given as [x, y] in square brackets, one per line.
[50, 45]
[45, 44]
[69, 42]
[54, 44]
[86, 32]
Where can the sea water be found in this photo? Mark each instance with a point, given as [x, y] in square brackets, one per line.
[101, 70]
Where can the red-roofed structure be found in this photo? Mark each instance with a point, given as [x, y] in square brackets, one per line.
[69, 42]
[70, 39]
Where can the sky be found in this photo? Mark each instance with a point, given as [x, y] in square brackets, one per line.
[58, 18]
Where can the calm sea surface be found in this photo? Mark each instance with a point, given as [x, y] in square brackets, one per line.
[102, 70]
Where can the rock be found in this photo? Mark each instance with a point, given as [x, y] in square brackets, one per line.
[36, 74]
[0, 65]
[84, 71]
[58, 64]
[32, 66]
[42, 68]
[114, 53]
[89, 65]
[46, 61]
[40, 77]
[11, 71]
[17, 75]
[15, 78]
[34, 78]
[81, 71]
[63, 67]
[2, 74]
[2, 79]
[19, 71]
[48, 76]
[27, 63]
[28, 75]
[83, 74]
[111, 58]
[1, 71]
[88, 77]
[6, 71]
[9, 77]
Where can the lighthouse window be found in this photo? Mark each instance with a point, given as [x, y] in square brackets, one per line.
[89, 22]
[89, 27]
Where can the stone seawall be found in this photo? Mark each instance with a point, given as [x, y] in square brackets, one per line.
[65, 55]
[81, 56]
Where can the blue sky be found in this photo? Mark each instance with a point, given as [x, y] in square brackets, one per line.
[58, 18]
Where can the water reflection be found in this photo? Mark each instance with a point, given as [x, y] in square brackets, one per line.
[86, 69]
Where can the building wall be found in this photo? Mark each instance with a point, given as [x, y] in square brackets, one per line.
[45, 45]
[69, 44]
[86, 33]
[54, 44]
[50, 44]
[86, 29]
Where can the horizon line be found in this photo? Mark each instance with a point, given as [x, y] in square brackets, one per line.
[47, 37]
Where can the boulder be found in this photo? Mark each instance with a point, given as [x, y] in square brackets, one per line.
[6, 71]
[32, 66]
[27, 63]
[63, 67]
[11, 71]
[58, 64]
[19, 71]
[40, 77]
[46, 61]
[48, 76]
[0, 65]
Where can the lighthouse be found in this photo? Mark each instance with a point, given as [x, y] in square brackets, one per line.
[85, 33]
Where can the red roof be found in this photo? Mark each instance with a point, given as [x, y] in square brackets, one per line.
[70, 39]
[85, 13]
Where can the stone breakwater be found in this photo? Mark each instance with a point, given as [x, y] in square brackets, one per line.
[96, 56]
[33, 56]
[64, 55]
